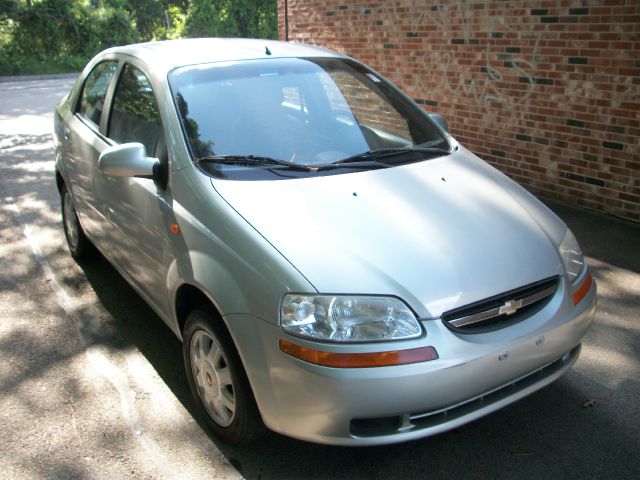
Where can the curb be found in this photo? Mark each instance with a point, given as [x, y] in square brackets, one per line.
[27, 78]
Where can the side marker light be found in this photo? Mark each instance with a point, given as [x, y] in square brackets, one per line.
[583, 289]
[358, 360]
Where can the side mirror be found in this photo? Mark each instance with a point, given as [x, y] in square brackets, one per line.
[440, 120]
[127, 160]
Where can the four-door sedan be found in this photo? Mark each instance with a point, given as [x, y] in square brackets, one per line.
[337, 266]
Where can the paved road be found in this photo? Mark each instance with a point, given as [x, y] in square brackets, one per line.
[91, 382]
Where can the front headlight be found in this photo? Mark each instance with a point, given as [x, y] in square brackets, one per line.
[571, 256]
[347, 318]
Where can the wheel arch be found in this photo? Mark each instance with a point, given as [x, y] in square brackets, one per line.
[188, 297]
[59, 181]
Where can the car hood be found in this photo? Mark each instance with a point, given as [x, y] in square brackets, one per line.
[439, 234]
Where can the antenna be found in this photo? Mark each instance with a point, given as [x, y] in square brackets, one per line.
[267, 51]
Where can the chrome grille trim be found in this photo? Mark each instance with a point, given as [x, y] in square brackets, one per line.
[496, 312]
[501, 310]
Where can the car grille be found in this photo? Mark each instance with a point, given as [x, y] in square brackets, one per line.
[451, 416]
[502, 310]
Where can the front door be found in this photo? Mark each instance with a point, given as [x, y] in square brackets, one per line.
[138, 210]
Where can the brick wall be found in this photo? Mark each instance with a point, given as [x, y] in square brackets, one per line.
[546, 91]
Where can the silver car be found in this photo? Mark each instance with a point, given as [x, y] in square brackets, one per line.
[336, 265]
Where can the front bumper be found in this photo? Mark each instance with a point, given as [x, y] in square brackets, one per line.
[475, 375]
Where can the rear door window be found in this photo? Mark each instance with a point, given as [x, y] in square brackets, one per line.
[94, 91]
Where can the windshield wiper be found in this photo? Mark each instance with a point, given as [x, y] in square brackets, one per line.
[431, 151]
[373, 156]
[251, 160]
[394, 151]
[368, 159]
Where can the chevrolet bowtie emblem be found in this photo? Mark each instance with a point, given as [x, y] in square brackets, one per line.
[510, 307]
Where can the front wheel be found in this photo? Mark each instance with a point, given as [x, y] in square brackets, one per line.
[217, 379]
[79, 245]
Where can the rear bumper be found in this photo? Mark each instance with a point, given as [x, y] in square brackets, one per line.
[475, 375]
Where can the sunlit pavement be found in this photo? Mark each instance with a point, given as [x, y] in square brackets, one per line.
[92, 385]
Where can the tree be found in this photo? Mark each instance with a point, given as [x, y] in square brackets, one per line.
[62, 35]
[232, 18]
[59, 35]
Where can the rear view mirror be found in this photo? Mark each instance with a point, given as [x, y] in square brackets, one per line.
[127, 160]
[440, 120]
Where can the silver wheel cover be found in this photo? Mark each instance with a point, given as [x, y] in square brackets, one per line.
[212, 378]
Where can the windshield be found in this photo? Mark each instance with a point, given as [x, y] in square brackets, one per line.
[306, 112]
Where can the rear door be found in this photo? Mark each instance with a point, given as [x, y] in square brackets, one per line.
[84, 140]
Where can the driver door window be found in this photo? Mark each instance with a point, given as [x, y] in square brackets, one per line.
[134, 115]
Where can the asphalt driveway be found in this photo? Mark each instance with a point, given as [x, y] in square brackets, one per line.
[92, 383]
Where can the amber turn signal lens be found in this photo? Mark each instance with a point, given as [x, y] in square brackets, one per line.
[583, 289]
[358, 360]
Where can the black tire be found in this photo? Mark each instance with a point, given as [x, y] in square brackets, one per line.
[79, 245]
[217, 379]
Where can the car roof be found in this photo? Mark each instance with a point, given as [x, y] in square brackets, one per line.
[164, 56]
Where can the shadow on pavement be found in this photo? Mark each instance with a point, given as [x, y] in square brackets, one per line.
[610, 240]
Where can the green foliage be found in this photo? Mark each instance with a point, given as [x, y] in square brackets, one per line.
[177, 18]
[232, 18]
[45, 36]
[148, 15]
[8, 9]
[59, 35]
